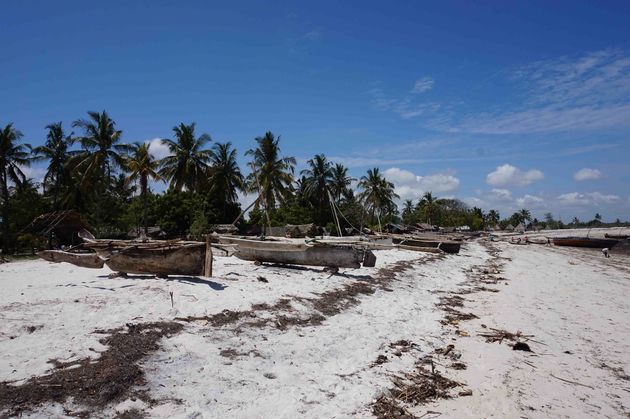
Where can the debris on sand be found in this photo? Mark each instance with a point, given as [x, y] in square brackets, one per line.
[499, 335]
[521, 346]
[417, 388]
[94, 383]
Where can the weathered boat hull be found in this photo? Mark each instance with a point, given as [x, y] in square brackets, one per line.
[169, 260]
[584, 242]
[617, 236]
[84, 260]
[445, 246]
[290, 253]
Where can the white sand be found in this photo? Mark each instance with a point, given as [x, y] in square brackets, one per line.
[574, 303]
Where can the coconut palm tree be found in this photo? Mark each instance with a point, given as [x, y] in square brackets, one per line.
[102, 150]
[141, 167]
[340, 182]
[13, 156]
[272, 175]
[226, 178]
[428, 203]
[493, 218]
[377, 195]
[317, 179]
[187, 165]
[56, 151]
[525, 215]
[407, 211]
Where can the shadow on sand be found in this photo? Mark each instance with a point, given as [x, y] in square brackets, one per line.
[193, 280]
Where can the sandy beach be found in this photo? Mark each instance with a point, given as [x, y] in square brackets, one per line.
[421, 335]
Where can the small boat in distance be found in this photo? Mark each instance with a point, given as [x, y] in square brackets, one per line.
[447, 246]
[584, 242]
[617, 236]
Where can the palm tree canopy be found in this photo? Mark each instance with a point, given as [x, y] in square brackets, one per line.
[186, 166]
[101, 147]
[317, 178]
[340, 182]
[225, 175]
[55, 150]
[377, 192]
[141, 165]
[13, 156]
[272, 175]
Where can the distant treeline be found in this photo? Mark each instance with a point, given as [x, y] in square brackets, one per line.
[96, 173]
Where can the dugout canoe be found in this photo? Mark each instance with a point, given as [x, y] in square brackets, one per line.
[289, 252]
[170, 259]
[617, 236]
[445, 246]
[84, 260]
[584, 242]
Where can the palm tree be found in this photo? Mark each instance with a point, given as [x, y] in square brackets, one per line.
[187, 165]
[272, 175]
[340, 182]
[225, 175]
[102, 149]
[377, 194]
[493, 217]
[407, 211]
[142, 166]
[56, 151]
[428, 202]
[12, 157]
[317, 179]
[525, 214]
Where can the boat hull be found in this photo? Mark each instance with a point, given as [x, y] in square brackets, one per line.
[171, 260]
[617, 236]
[289, 253]
[446, 246]
[84, 260]
[584, 242]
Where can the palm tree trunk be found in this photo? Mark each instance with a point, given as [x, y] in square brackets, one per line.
[5, 211]
[143, 192]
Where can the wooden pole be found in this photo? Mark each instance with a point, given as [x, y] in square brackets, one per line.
[207, 267]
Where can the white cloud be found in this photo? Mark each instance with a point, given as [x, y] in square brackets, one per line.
[411, 186]
[530, 202]
[158, 149]
[587, 174]
[509, 175]
[586, 92]
[423, 85]
[574, 199]
[500, 194]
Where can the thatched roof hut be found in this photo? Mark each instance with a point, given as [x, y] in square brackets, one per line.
[58, 226]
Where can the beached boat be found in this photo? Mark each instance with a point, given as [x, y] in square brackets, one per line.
[445, 246]
[617, 236]
[537, 240]
[84, 260]
[168, 259]
[300, 252]
[584, 242]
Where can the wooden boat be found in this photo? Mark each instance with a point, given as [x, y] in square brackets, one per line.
[84, 260]
[300, 252]
[537, 240]
[584, 242]
[617, 236]
[168, 259]
[445, 246]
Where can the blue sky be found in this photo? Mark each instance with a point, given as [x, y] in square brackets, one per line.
[502, 104]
